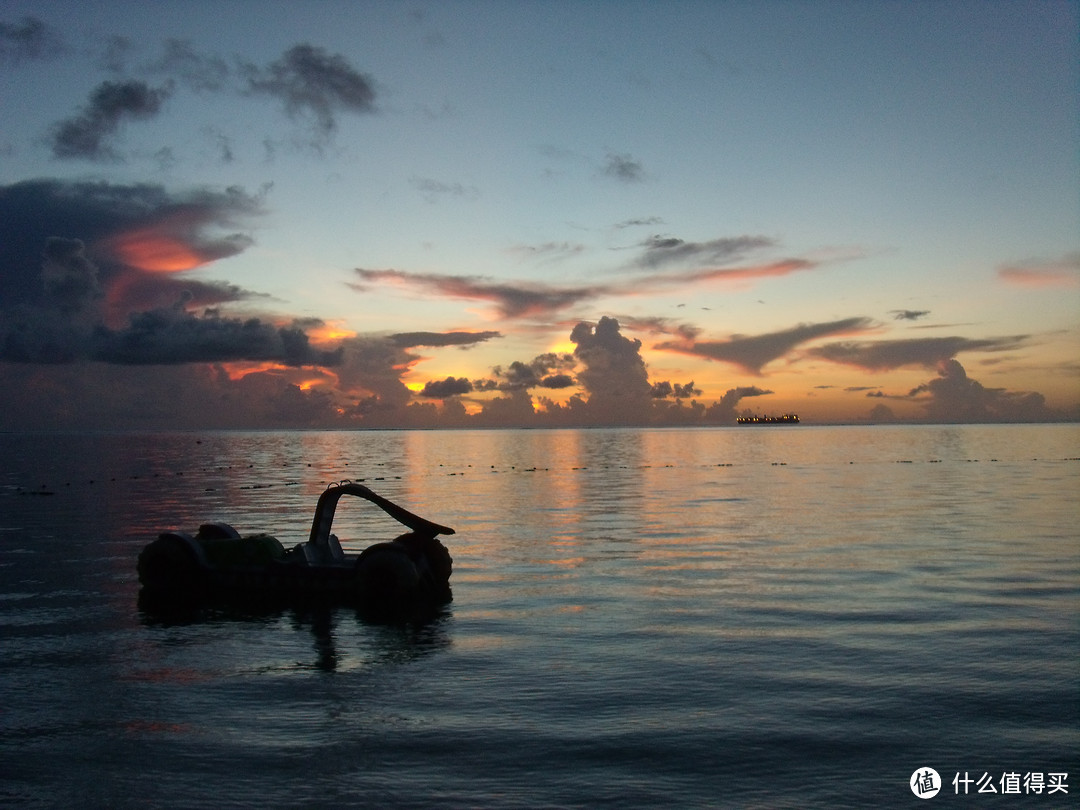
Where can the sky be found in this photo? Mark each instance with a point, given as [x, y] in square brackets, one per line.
[250, 214]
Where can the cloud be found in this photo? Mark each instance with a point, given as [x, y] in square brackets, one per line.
[512, 300]
[638, 222]
[370, 372]
[171, 336]
[613, 374]
[666, 389]
[886, 355]
[659, 251]
[175, 397]
[433, 189]
[778, 269]
[1060, 273]
[723, 411]
[532, 299]
[444, 389]
[623, 167]
[954, 397]
[28, 41]
[89, 273]
[549, 251]
[309, 81]
[200, 72]
[755, 352]
[137, 236]
[407, 340]
[543, 371]
[908, 314]
[111, 103]
[69, 278]
[661, 326]
[556, 381]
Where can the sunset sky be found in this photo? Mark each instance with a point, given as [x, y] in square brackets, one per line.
[391, 214]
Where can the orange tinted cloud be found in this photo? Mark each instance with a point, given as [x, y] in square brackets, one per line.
[239, 369]
[1064, 272]
[149, 249]
[329, 333]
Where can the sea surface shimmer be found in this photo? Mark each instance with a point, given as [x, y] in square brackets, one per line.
[784, 617]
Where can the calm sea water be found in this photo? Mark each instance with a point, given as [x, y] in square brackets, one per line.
[756, 617]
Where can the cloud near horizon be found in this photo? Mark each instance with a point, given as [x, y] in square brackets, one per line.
[954, 397]
[886, 355]
[753, 353]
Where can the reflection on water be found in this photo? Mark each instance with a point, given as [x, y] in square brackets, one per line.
[785, 617]
[383, 641]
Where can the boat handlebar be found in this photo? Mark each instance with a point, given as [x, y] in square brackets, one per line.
[327, 505]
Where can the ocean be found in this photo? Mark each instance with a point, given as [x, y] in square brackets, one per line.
[775, 617]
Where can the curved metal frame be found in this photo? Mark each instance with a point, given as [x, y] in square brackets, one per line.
[327, 506]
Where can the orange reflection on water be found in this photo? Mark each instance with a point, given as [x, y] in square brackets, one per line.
[156, 727]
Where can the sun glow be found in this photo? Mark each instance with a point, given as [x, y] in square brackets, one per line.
[329, 333]
[240, 369]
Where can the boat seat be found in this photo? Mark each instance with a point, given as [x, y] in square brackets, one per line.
[336, 553]
[325, 553]
[218, 531]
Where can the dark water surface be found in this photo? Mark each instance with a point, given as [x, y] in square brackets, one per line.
[756, 617]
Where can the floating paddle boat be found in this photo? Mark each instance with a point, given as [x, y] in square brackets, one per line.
[408, 571]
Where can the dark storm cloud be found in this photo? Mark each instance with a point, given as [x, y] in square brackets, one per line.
[450, 387]
[955, 397]
[111, 103]
[28, 40]
[67, 324]
[167, 337]
[884, 355]
[408, 340]
[310, 81]
[908, 314]
[755, 352]
[69, 279]
[120, 226]
[623, 167]
[165, 397]
[85, 276]
[660, 251]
